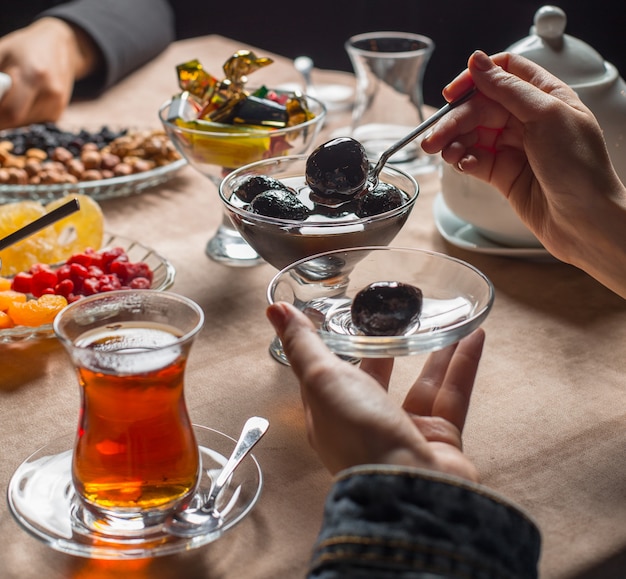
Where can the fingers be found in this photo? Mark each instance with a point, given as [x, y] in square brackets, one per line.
[379, 369]
[445, 384]
[452, 402]
[421, 397]
[303, 347]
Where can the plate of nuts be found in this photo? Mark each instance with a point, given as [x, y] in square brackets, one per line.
[42, 162]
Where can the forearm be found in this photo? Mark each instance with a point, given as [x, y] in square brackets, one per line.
[125, 36]
[382, 522]
[600, 240]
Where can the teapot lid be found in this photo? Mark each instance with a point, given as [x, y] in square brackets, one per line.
[569, 58]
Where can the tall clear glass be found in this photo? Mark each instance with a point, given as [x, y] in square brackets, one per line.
[389, 103]
[135, 457]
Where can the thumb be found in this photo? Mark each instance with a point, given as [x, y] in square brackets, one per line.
[303, 347]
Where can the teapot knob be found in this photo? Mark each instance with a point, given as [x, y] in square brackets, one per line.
[549, 23]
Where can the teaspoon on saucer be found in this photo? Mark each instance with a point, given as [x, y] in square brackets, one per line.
[429, 122]
[207, 517]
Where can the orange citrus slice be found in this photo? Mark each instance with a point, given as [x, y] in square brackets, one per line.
[5, 321]
[9, 297]
[37, 312]
[33, 249]
[78, 231]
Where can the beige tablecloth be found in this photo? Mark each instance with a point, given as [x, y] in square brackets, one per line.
[546, 427]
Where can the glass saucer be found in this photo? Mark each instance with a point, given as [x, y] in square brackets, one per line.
[457, 298]
[42, 499]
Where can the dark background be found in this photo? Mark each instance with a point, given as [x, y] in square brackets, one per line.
[318, 29]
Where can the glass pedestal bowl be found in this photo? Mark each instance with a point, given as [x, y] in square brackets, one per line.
[456, 298]
[216, 154]
[281, 242]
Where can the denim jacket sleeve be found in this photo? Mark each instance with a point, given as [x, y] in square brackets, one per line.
[389, 522]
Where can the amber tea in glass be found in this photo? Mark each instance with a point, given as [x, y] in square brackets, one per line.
[135, 454]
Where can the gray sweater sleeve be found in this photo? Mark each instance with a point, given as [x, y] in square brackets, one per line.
[128, 33]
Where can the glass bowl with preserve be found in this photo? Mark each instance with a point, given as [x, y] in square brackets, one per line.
[311, 226]
[383, 302]
[293, 207]
[220, 125]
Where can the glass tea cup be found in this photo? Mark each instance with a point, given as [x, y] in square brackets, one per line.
[389, 68]
[135, 456]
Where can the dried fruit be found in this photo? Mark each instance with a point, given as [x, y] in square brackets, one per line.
[254, 185]
[33, 249]
[337, 169]
[384, 197]
[53, 244]
[386, 308]
[37, 312]
[78, 231]
[281, 204]
[84, 273]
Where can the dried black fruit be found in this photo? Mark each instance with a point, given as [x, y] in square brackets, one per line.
[254, 185]
[386, 308]
[279, 203]
[337, 169]
[48, 136]
[384, 197]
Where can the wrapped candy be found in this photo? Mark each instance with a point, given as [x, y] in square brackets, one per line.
[208, 105]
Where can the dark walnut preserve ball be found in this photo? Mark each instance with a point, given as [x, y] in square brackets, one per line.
[254, 185]
[281, 204]
[338, 169]
[384, 197]
[386, 308]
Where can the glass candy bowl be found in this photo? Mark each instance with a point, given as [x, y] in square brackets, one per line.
[217, 152]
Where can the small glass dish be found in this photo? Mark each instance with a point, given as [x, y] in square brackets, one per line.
[164, 275]
[456, 298]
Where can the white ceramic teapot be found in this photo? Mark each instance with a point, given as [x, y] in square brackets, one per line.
[598, 85]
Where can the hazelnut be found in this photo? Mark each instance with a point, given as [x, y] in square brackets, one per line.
[17, 176]
[142, 165]
[91, 159]
[32, 166]
[109, 161]
[122, 170]
[76, 167]
[91, 175]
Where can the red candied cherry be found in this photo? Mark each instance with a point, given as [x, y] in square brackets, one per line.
[109, 282]
[127, 271]
[65, 287]
[43, 279]
[90, 286]
[22, 282]
[107, 256]
[140, 283]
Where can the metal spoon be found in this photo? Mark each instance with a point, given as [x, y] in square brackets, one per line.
[207, 518]
[304, 65]
[445, 109]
